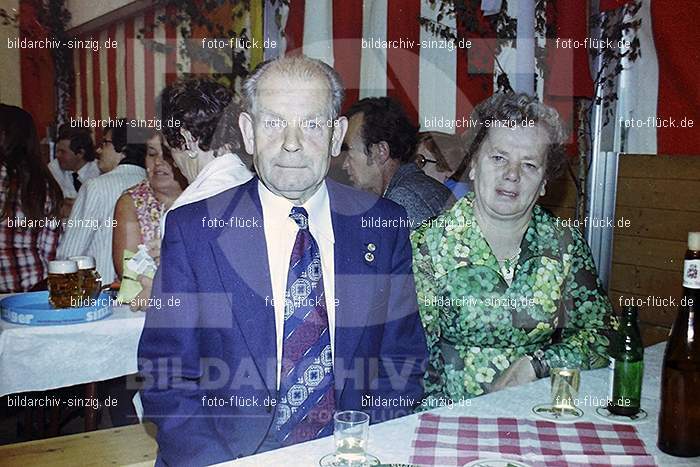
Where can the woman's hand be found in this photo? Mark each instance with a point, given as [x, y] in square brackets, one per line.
[140, 302]
[154, 250]
[519, 372]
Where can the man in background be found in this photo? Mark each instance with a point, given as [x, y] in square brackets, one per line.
[74, 163]
[379, 147]
[89, 228]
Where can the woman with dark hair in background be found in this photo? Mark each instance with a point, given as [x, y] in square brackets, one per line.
[30, 200]
[206, 141]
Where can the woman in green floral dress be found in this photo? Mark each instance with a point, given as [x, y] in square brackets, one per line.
[506, 291]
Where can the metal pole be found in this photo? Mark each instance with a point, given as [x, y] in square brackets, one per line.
[525, 48]
[601, 187]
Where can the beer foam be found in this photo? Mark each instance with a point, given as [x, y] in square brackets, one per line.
[84, 262]
[63, 267]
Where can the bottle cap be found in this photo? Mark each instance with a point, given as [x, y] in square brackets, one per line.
[694, 241]
[63, 267]
[84, 262]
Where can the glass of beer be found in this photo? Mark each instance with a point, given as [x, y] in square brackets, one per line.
[64, 284]
[351, 432]
[565, 385]
[90, 279]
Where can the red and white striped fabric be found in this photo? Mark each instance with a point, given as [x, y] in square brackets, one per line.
[124, 81]
[455, 441]
[436, 85]
[432, 82]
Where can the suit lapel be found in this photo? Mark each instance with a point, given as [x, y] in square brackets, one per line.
[355, 281]
[241, 259]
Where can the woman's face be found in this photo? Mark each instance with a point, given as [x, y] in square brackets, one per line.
[508, 171]
[430, 163]
[160, 172]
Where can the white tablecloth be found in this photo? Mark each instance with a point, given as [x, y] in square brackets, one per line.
[391, 441]
[38, 358]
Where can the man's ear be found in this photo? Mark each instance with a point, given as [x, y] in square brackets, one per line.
[245, 123]
[543, 191]
[340, 128]
[380, 152]
[81, 153]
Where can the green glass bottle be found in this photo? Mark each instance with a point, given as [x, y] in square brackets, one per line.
[627, 355]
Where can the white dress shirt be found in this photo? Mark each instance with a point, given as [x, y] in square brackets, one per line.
[64, 178]
[90, 225]
[280, 235]
[224, 172]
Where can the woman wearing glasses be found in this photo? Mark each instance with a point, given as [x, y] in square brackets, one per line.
[439, 154]
[121, 158]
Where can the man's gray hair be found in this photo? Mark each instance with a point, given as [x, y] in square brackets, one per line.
[300, 67]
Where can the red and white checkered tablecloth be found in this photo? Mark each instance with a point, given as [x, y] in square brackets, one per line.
[455, 441]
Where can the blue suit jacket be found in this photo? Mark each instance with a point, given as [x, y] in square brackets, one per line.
[208, 354]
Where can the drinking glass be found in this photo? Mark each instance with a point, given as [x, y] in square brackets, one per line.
[89, 277]
[565, 386]
[64, 284]
[351, 430]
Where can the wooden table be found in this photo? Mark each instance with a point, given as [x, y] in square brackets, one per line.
[133, 445]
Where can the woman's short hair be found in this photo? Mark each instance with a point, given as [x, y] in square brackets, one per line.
[301, 67]
[79, 139]
[515, 109]
[203, 107]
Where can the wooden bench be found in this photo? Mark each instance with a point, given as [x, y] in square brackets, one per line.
[132, 445]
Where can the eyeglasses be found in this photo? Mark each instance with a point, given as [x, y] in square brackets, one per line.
[421, 161]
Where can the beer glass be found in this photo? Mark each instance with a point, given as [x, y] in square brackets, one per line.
[565, 385]
[351, 431]
[64, 284]
[90, 279]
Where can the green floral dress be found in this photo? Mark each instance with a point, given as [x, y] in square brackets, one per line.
[477, 325]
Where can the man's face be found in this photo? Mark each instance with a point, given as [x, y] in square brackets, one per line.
[107, 157]
[67, 159]
[362, 169]
[508, 171]
[290, 135]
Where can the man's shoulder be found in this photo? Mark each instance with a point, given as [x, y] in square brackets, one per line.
[350, 201]
[212, 206]
[421, 182]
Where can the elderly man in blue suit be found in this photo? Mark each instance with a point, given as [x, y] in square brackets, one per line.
[279, 305]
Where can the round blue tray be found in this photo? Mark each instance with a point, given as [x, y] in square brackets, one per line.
[33, 309]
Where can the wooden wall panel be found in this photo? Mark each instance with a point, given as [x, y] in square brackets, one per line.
[657, 199]
[658, 196]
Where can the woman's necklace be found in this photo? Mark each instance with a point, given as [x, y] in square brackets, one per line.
[508, 265]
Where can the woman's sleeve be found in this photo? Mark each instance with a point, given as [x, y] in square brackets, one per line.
[47, 240]
[427, 293]
[586, 311]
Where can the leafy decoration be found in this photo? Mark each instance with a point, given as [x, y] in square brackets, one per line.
[501, 26]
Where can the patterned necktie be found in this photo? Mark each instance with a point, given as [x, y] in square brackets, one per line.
[306, 397]
[76, 183]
